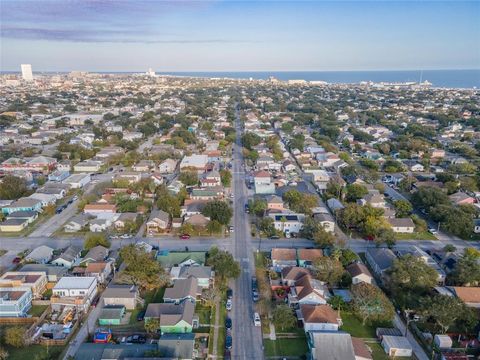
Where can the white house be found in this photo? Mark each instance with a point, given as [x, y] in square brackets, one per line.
[402, 225]
[288, 222]
[319, 318]
[74, 291]
[15, 302]
[77, 181]
[168, 166]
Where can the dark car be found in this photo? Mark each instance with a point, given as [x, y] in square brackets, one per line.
[16, 260]
[136, 339]
[274, 237]
[184, 236]
[255, 296]
[227, 355]
[254, 283]
[141, 315]
[228, 342]
[229, 293]
[95, 301]
[228, 323]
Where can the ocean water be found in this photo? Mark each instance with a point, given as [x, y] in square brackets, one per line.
[438, 78]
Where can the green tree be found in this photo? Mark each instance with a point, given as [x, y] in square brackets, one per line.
[467, 269]
[412, 274]
[283, 317]
[250, 139]
[12, 187]
[226, 177]
[449, 248]
[266, 225]
[219, 211]
[226, 267]
[403, 208]
[152, 325]
[427, 197]
[370, 303]
[347, 257]
[328, 269]
[14, 336]
[142, 269]
[257, 206]
[214, 227]
[188, 177]
[444, 311]
[323, 238]
[355, 192]
[95, 239]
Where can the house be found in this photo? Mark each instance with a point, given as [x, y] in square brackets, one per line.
[306, 257]
[396, 346]
[58, 175]
[182, 290]
[13, 225]
[283, 258]
[101, 270]
[402, 225]
[275, 202]
[262, 183]
[40, 255]
[128, 177]
[198, 220]
[36, 281]
[168, 166]
[111, 315]
[54, 273]
[169, 259]
[210, 179]
[23, 204]
[203, 274]
[380, 260]
[68, 257]
[290, 275]
[326, 221]
[158, 221]
[469, 295]
[308, 290]
[206, 194]
[15, 302]
[77, 181]
[288, 222]
[334, 205]
[88, 166]
[359, 273]
[77, 223]
[102, 351]
[460, 198]
[96, 209]
[362, 352]
[96, 254]
[195, 161]
[144, 166]
[59, 190]
[74, 291]
[122, 295]
[173, 318]
[29, 216]
[319, 318]
[178, 346]
[125, 218]
[99, 225]
[374, 199]
[330, 345]
[46, 199]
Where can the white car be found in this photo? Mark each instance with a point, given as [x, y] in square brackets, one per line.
[432, 231]
[256, 319]
[229, 305]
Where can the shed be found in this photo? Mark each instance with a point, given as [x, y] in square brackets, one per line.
[111, 315]
[443, 341]
[397, 346]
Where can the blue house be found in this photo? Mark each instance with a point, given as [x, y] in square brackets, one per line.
[23, 204]
[58, 175]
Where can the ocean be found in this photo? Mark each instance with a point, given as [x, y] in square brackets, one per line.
[439, 78]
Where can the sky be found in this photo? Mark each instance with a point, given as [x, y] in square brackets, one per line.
[121, 35]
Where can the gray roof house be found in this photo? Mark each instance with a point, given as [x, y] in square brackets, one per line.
[95, 254]
[77, 223]
[330, 345]
[177, 346]
[126, 295]
[182, 290]
[68, 257]
[40, 255]
[54, 273]
[380, 259]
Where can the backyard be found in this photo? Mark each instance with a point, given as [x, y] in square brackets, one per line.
[286, 347]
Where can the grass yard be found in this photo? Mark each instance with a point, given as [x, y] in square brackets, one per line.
[286, 347]
[32, 351]
[354, 326]
[425, 235]
[379, 354]
[154, 296]
[221, 330]
[204, 313]
[37, 310]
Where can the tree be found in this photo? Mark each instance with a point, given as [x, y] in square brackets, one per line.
[328, 269]
[152, 325]
[355, 192]
[443, 310]
[337, 302]
[403, 208]
[214, 227]
[210, 296]
[142, 269]
[266, 225]
[385, 236]
[467, 269]
[347, 257]
[412, 274]
[12, 187]
[226, 177]
[95, 239]
[427, 197]
[300, 202]
[15, 336]
[189, 177]
[250, 139]
[283, 317]
[323, 238]
[257, 206]
[371, 304]
[224, 264]
[449, 248]
[218, 210]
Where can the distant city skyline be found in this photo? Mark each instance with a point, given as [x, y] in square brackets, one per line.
[238, 36]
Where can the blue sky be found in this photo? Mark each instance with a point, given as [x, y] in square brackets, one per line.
[122, 35]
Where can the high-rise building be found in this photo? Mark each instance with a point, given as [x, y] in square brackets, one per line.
[150, 72]
[27, 72]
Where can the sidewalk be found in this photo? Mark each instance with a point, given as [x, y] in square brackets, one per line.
[417, 349]
[215, 330]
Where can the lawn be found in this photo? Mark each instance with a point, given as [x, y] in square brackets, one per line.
[204, 313]
[221, 329]
[425, 235]
[379, 354]
[37, 310]
[154, 296]
[32, 351]
[354, 326]
[286, 347]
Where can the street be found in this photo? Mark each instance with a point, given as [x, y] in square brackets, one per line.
[247, 339]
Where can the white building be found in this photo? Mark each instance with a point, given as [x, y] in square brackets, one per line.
[74, 291]
[27, 72]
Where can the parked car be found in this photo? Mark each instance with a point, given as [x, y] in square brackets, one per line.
[75, 197]
[95, 301]
[256, 320]
[229, 293]
[184, 236]
[228, 342]
[255, 296]
[228, 323]
[17, 260]
[254, 283]
[274, 237]
[231, 229]
[136, 339]
[229, 305]
[141, 315]
[432, 231]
